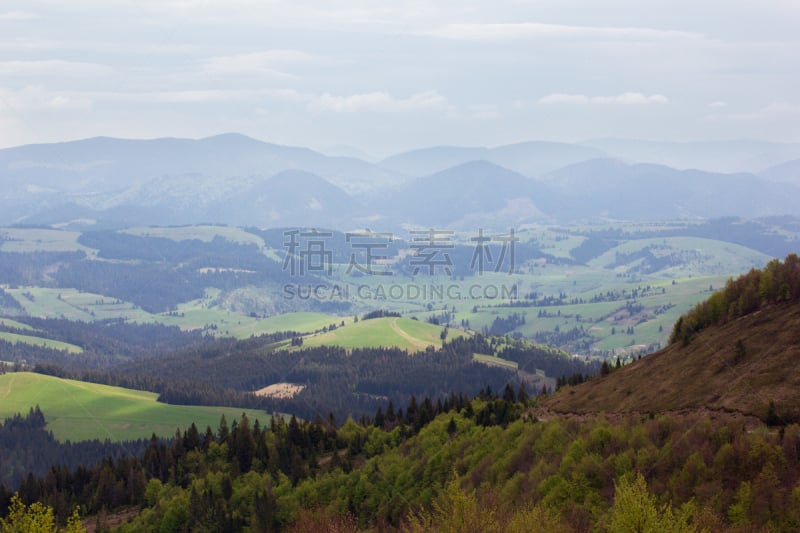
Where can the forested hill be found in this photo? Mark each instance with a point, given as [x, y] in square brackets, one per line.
[737, 351]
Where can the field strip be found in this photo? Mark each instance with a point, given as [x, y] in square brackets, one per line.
[10, 384]
[93, 418]
[417, 343]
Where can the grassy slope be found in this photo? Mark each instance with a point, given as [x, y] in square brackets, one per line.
[705, 374]
[8, 323]
[40, 341]
[78, 411]
[411, 335]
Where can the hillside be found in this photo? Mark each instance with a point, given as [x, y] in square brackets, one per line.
[710, 372]
[473, 194]
[532, 158]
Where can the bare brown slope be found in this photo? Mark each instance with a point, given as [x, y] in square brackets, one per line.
[706, 373]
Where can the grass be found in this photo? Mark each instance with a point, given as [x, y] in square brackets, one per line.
[76, 410]
[702, 257]
[495, 361]
[41, 240]
[8, 323]
[404, 333]
[200, 313]
[302, 322]
[73, 304]
[15, 338]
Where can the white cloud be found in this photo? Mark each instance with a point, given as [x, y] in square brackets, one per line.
[484, 112]
[18, 15]
[267, 62]
[772, 111]
[50, 67]
[782, 108]
[378, 102]
[534, 30]
[717, 104]
[628, 98]
[167, 97]
[34, 98]
[561, 98]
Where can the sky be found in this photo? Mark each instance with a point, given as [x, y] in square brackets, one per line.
[378, 77]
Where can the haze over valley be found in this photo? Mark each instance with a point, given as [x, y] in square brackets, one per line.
[399, 266]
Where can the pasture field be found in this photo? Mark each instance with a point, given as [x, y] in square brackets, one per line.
[15, 338]
[697, 256]
[660, 308]
[302, 322]
[679, 271]
[41, 240]
[8, 323]
[76, 410]
[495, 361]
[404, 333]
[73, 304]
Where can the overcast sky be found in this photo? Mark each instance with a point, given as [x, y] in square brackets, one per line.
[385, 76]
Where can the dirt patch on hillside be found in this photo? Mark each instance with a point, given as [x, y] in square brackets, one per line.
[281, 391]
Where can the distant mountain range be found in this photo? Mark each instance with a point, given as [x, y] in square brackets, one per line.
[713, 156]
[532, 159]
[239, 180]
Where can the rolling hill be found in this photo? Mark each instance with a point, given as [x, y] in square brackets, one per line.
[533, 158]
[403, 333]
[474, 194]
[712, 156]
[610, 188]
[233, 179]
[787, 172]
[99, 177]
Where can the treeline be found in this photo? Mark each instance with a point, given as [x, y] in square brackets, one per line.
[9, 304]
[289, 451]
[757, 234]
[27, 450]
[486, 462]
[345, 382]
[379, 313]
[554, 363]
[155, 287]
[117, 336]
[193, 369]
[28, 268]
[778, 282]
[226, 371]
[559, 475]
[105, 343]
[219, 252]
[502, 325]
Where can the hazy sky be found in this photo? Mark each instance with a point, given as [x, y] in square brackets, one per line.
[391, 75]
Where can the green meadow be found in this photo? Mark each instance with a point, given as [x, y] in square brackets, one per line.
[76, 410]
[15, 338]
